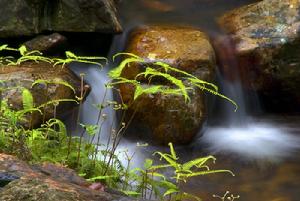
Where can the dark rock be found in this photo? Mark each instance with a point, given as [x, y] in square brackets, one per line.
[46, 43]
[19, 18]
[85, 16]
[169, 117]
[5, 178]
[35, 185]
[25, 74]
[26, 18]
[267, 37]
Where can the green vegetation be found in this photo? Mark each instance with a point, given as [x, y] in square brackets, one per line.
[151, 181]
[37, 56]
[179, 86]
[86, 153]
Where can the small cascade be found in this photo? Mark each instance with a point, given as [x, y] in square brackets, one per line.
[241, 133]
[228, 75]
[89, 113]
[97, 78]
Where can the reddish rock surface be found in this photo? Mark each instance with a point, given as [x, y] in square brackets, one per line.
[47, 182]
[267, 41]
[169, 117]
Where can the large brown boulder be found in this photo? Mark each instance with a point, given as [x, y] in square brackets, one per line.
[14, 78]
[47, 182]
[267, 41]
[169, 117]
[24, 18]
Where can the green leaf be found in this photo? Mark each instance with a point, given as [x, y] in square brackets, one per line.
[131, 193]
[23, 50]
[27, 99]
[171, 191]
[100, 178]
[172, 150]
[70, 54]
[155, 174]
[90, 129]
[60, 82]
[197, 162]
[148, 163]
[167, 185]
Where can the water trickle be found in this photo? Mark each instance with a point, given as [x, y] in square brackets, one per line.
[99, 94]
[240, 133]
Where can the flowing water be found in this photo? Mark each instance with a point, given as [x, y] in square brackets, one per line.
[262, 150]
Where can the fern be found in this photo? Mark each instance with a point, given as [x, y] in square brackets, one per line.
[26, 55]
[71, 57]
[56, 102]
[60, 82]
[185, 171]
[152, 73]
[179, 86]
[116, 72]
[27, 99]
[37, 56]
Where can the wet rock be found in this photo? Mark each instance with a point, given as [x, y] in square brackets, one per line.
[85, 16]
[157, 5]
[185, 48]
[267, 43]
[46, 43]
[19, 18]
[15, 77]
[169, 117]
[24, 18]
[35, 184]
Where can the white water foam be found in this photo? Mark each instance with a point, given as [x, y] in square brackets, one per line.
[254, 141]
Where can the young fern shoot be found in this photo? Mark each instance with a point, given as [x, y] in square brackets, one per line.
[26, 55]
[71, 57]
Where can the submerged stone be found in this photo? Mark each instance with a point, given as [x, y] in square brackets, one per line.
[169, 117]
[267, 37]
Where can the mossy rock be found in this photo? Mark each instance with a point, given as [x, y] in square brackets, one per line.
[169, 118]
[267, 39]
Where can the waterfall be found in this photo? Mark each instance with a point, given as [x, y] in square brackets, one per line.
[241, 133]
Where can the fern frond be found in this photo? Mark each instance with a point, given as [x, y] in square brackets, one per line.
[71, 57]
[54, 102]
[27, 99]
[172, 150]
[126, 54]
[60, 82]
[205, 173]
[61, 127]
[197, 162]
[116, 72]
[152, 72]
